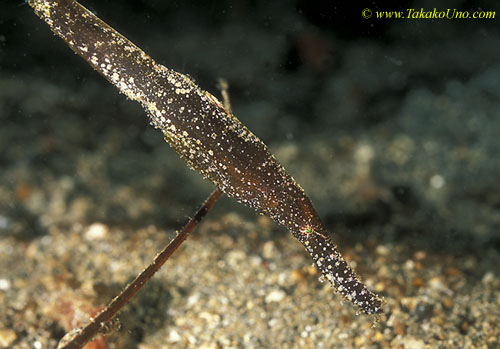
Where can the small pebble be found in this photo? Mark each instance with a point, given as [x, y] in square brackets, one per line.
[488, 278]
[414, 343]
[269, 250]
[409, 265]
[382, 250]
[447, 302]
[275, 296]
[378, 336]
[400, 328]
[420, 255]
[417, 282]
[297, 275]
[437, 181]
[379, 287]
[97, 231]
[4, 284]
[7, 337]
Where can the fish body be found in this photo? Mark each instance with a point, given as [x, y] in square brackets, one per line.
[207, 136]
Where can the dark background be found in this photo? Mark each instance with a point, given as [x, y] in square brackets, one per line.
[302, 74]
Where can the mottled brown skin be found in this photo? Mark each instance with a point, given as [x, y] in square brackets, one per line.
[209, 138]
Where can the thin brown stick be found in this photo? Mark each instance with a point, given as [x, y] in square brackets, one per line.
[78, 338]
[224, 88]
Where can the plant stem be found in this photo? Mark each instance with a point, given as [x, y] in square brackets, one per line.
[79, 337]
